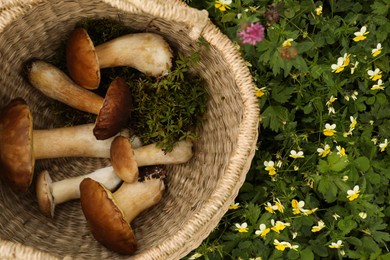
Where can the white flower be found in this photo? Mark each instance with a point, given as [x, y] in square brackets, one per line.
[338, 244]
[375, 74]
[323, 152]
[354, 95]
[361, 35]
[195, 256]
[376, 51]
[242, 228]
[363, 215]
[335, 216]
[339, 66]
[354, 66]
[378, 85]
[383, 145]
[294, 154]
[354, 193]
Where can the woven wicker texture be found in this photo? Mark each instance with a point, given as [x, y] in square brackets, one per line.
[198, 193]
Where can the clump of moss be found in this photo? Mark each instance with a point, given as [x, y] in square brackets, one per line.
[167, 110]
[164, 110]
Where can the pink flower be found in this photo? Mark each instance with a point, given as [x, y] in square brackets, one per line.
[252, 34]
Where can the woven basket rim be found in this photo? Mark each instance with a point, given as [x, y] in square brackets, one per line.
[241, 158]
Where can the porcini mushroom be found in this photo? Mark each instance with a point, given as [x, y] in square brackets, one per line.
[109, 215]
[112, 111]
[147, 52]
[20, 145]
[123, 159]
[51, 193]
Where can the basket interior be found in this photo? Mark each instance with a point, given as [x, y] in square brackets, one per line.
[38, 34]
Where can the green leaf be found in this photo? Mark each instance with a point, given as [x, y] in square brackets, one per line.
[362, 163]
[307, 254]
[328, 189]
[319, 247]
[275, 117]
[304, 46]
[379, 8]
[346, 225]
[228, 17]
[323, 166]
[337, 163]
[281, 93]
[252, 213]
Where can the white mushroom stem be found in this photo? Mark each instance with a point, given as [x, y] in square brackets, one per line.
[79, 141]
[146, 52]
[133, 198]
[72, 141]
[68, 189]
[55, 84]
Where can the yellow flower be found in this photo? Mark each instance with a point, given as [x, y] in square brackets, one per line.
[329, 129]
[331, 100]
[242, 228]
[294, 154]
[339, 66]
[361, 35]
[260, 92]
[307, 212]
[341, 151]
[378, 85]
[287, 43]
[346, 59]
[376, 51]
[323, 152]
[263, 231]
[353, 122]
[278, 226]
[279, 205]
[222, 5]
[271, 208]
[320, 225]
[297, 206]
[234, 205]
[383, 145]
[319, 10]
[270, 167]
[338, 244]
[354, 67]
[353, 194]
[281, 246]
[375, 74]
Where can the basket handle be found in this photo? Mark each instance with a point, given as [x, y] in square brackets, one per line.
[175, 10]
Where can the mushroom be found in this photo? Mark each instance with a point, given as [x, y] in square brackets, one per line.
[20, 145]
[51, 193]
[147, 52]
[112, 111]
[123, 159]
[109, 215]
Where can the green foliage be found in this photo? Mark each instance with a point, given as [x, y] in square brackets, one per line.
[341, 178]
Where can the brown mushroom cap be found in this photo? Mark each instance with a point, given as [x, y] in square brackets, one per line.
[82, 60]
[123, 160]
[105, 219]
[16, 156]
[115, 110]
[43, 193]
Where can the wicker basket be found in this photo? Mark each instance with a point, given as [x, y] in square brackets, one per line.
[198, 192]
